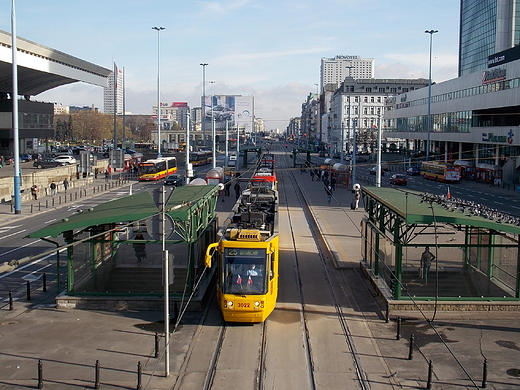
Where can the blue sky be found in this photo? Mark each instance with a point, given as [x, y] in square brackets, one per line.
[270, 49]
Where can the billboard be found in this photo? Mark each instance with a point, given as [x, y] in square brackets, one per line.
[245, 112]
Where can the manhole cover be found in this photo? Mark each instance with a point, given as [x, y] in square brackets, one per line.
[513, 372]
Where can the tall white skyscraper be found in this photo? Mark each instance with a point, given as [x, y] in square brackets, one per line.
[335, 70]
[117, 88]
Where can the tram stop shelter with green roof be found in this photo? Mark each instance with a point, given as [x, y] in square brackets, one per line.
[101, 269]
[476, 265]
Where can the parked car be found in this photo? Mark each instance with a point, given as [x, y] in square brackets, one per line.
[8, 160]
[66, 159]
[398, 179]
[48, 163]
[413, 171]
[24, 157]
[174, 180]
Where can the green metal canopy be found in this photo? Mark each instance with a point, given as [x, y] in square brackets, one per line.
[185, 202]
[410, 207]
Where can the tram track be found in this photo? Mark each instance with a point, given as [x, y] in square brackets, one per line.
[325, 257]
[288, 345]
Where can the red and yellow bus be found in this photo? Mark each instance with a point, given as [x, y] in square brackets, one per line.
[158, 168]
[440, 171]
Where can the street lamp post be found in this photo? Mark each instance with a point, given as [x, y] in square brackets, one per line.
[214, 154]
[348, 125]
[158, 29]
[203, 64]
[431, 32]
[318, 119]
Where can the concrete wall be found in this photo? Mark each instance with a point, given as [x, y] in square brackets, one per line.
[43, 178]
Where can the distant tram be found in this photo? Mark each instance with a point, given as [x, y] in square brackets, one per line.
[157, 169]
[247, 257]
[265, 175]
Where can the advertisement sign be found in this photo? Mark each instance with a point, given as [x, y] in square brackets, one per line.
[244, 111]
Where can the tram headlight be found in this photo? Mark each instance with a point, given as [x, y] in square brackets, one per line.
[230, 304]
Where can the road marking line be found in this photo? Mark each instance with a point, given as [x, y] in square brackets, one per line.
[12, 234]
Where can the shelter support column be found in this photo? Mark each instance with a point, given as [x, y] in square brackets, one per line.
[398, 269]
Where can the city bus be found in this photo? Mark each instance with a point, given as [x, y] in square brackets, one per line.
[440, 171]
[156, 169]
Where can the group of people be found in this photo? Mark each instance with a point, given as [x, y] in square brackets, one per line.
[53, 187]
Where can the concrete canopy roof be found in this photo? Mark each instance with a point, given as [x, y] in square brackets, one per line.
[41, 68]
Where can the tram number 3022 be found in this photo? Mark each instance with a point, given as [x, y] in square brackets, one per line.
[243, 305]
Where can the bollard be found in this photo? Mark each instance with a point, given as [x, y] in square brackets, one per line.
[44, 282]
[398, 337]
[39, 206]
[28, 290]
[484, 375]
[46, 203]
[387, 317]
[430, 372]
[52, 202]
[96, 380]
[156, 355]
[40, 374]
[139, 373]
[11, 307]
[31, 208]
[410, 351]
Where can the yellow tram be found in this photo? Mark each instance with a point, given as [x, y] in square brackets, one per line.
[247, 257]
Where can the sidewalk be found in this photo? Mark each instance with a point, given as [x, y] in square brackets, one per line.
[472, 337]
[82, 188]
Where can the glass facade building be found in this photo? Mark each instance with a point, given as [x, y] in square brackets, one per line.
[486, 27]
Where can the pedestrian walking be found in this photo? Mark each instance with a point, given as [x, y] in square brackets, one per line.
[53, 188]
[357, 196]
[1, 161]
[237, 189]
[34, 191]
[227, 188]
[65, 184]
[328, 190]
[426, 261]
[107, 174]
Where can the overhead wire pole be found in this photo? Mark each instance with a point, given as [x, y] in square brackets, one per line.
[431, 32]
[187, 149]
[14, 98]
[214, 153]
[159, 143]
[203, 119]
[379, 136]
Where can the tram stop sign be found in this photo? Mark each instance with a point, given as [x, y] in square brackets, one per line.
[154, 226]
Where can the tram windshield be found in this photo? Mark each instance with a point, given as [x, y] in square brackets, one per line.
[245, 271]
